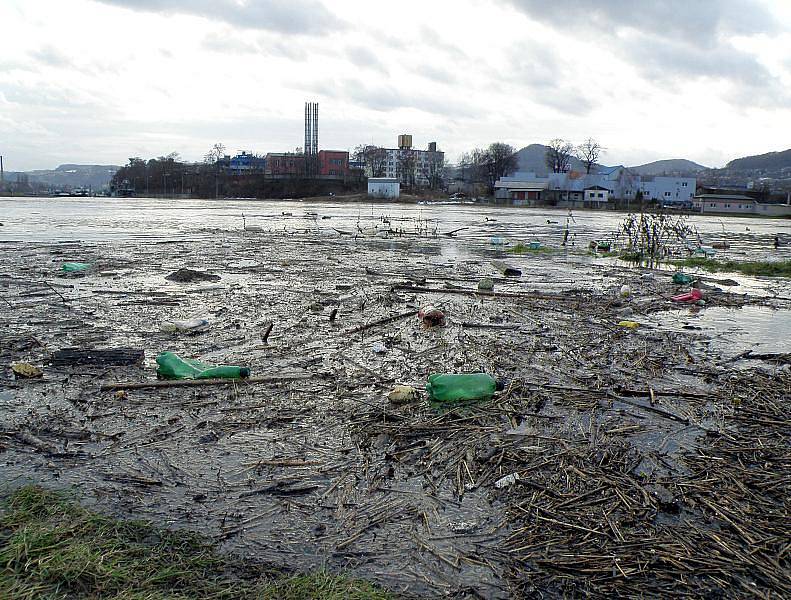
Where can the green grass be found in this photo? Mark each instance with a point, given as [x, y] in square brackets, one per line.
[51, 548]
[520, 248]
[769, 268]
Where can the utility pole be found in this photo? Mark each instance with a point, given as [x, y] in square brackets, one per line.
[2, 174]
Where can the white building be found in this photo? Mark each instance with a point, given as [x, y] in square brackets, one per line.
[738, 204]
[616, 183]
[412, 166]
[384, 187]
[668, 190]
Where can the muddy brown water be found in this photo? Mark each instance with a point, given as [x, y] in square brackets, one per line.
[323, 471]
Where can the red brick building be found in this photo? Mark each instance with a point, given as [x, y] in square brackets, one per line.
[285, 163]
[334, 163]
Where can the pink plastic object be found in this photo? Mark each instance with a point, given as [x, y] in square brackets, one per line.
[691, 296]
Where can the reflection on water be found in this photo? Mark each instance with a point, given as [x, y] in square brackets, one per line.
[761, 329]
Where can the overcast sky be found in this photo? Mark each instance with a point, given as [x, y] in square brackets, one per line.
[98, 81]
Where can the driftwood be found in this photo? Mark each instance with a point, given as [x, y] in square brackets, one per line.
[452, 233]
[139, 385]
[95, 356]
[491, 325]
[466, 292]
[384, 321]
[505, 269]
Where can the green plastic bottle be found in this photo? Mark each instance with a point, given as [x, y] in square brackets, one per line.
[75, 267]
[469, 386]
[172, 366]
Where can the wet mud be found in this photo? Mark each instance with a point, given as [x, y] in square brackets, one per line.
[650, 461]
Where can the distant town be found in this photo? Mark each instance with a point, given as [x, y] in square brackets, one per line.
[560, 174]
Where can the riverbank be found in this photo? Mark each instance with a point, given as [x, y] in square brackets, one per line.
[633, 447]
[50, 546]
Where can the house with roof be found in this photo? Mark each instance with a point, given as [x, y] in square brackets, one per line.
[725, 204]
[573, 190]
[740, 204]
[581, 190]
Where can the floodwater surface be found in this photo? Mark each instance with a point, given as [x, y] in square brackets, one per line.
[95, 219]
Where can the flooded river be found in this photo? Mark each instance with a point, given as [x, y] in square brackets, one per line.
[96, 219]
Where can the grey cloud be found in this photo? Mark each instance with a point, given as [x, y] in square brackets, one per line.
[436, 74]
[542, 73]
[229, 43]
[366, 58]
[50, 56]
[432, 39]
[700, 23]
[308, 17]
[669, 41]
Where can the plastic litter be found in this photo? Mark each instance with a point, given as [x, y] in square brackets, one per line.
[172, 366]
[629, 324]
[75, 267]
[692, 296]
[468, 386]
[431, 316]
[507, 480]
[626, 291]
[379, 348]
[681, 278]
[401, 394]
[189, 326]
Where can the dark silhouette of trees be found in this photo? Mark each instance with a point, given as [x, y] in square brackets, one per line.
[588, 153]
[488, 165]
[558, 156]
[373, 157]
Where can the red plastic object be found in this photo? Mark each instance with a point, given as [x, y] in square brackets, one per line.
[692, 296]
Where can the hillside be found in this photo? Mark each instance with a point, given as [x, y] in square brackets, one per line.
[73, 176]
[771, 161]
[675, 166]
[532, 160]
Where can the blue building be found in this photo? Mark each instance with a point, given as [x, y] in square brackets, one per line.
[246, 163]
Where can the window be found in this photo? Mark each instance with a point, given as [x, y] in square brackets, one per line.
[668, 194]
[683, 184]
[600, 195]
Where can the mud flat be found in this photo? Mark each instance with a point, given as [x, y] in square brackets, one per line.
[650, 462]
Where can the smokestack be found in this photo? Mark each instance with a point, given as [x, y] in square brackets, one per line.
[2, 174]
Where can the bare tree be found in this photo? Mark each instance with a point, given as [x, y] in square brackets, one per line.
[406, 167]
[216, 153]
[373, 157]
[558, 156]
[588, 153]
[433, 170]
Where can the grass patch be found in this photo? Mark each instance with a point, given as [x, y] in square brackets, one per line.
[52, 548]
[781, 268]
[520, 248]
